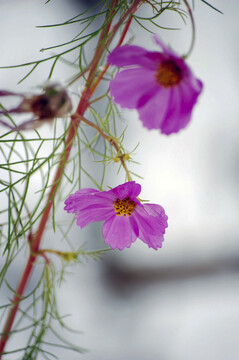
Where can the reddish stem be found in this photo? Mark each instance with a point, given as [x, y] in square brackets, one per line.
[100, 77]
[35, 239]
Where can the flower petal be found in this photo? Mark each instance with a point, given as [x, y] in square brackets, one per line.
[118, 232]
[128, 55]
[190, 90]
[129, 86]
[152, 113]
[152, 222]
[153, 241]
[167, 107]
[79, 200]
[165, 48]
[148, 222]
[158, 213]
[130, 189]
[174, 119]
[183, 99]
[93, 214]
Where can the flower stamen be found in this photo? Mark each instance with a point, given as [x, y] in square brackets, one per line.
[124, 207]
[168, 73]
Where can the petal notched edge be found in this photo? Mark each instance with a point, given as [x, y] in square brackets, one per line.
[152, 222]
[118, 232]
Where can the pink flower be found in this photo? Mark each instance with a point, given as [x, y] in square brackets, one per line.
[159, 85]
[126, 219]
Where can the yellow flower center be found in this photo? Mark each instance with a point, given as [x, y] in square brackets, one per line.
[168, 74]
[124, 207]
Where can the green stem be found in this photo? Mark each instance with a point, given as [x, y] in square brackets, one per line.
[112, 142]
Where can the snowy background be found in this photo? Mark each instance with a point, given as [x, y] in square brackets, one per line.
[181, 302]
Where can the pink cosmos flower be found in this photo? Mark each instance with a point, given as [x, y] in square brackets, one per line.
[159, 85]
[126, 219]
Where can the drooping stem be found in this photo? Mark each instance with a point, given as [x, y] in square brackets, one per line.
[193, 29]
[112, 142]
[35, 239]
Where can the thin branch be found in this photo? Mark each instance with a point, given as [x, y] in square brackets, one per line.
[112, 142]
[35, 239]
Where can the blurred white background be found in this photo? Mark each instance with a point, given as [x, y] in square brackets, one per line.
[181, 302]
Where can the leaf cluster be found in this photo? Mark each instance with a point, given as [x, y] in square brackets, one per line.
[37, 316]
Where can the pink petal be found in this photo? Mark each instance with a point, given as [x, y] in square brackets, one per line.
[134, 225]
[130, 189]
[174, 119]
[166, 108]
[153, 241]
[152, 222]
[90, 205]
[183, 99]
[93, 214]
[145, 221]
[189, 89]
[79, 200]
[158, 213]
[165, 48]
[128, 55]
[153, 112]
[129, 86]
[118, 232]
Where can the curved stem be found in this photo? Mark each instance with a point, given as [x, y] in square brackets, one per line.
[193, 29]
[112, 142]
[35, 239]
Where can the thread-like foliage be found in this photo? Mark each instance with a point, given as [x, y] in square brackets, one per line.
[30, 161]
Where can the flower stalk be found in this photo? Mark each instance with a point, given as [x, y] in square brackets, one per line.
[163, 90]
[104, 41]
[111, 140]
